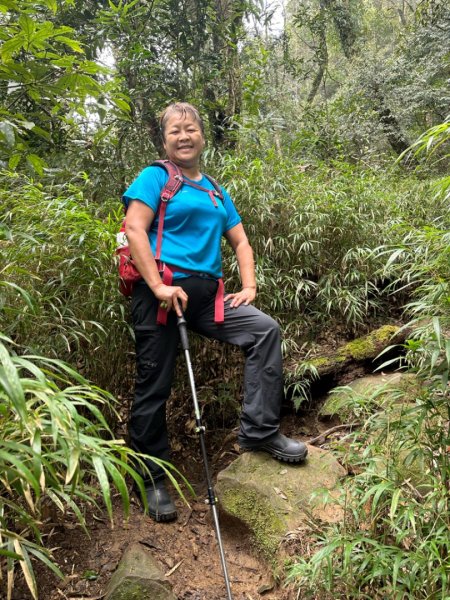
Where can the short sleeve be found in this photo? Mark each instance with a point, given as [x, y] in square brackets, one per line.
[147, 187]
[233, 217]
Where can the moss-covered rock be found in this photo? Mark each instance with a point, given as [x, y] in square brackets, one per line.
[369, 392]
[369, 346]
[360, 350]
[138, 577]
[272, 498]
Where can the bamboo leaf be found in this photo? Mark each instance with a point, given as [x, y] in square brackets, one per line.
[27, 568]
[394, 502]
[10, 554]
[120, 484]
[25, 295]
[10, 381]
[38, 553]
[104, 483]
[74, 458]
[437, 330]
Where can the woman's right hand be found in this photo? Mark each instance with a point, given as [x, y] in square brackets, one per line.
[170, 296]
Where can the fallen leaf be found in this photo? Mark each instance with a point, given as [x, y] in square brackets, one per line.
[265, 587]
[280, 493]
[169, 573]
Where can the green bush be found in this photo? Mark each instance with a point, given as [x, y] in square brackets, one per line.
[394, 540]
[57, 455]
[59, 295]
[314, 229]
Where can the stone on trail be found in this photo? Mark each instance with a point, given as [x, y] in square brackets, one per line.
[380, 387]
[138, 577]
[273, 498]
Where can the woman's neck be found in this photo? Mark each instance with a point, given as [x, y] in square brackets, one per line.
[192, 172]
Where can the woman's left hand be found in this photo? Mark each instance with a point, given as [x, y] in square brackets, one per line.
[245, 297]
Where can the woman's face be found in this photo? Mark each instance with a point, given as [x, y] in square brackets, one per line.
[183, 140]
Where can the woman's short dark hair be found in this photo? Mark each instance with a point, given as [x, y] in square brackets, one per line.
[182, 108]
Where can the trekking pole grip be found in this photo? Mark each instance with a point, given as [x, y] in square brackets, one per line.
[181, 322]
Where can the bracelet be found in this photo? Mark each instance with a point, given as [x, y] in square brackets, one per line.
[249, 287]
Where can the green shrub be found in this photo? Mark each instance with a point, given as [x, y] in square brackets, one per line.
[395, 540]
[57, 455]
[313, 230]
[58, 249]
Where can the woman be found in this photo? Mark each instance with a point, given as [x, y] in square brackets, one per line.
[193, 226]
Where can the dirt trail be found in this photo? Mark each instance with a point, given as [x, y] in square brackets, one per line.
[186, 550]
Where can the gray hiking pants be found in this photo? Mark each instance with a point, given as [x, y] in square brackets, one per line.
[156, 349]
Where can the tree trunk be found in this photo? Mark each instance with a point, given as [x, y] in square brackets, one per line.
[389, 123]
[345, 25]
[322, 54]
[225, 40]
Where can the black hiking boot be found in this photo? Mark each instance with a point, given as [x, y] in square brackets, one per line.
[279, 446]
[160, 505]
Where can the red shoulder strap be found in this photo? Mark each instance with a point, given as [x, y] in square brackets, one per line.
[172, 186]
[215, 185]
[175, 180]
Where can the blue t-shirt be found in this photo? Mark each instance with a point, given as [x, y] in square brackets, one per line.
[193, 225]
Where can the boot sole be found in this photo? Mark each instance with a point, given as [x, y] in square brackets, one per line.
[279, 456]
[285, 458]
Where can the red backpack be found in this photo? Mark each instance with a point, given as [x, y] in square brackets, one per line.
[128, 272]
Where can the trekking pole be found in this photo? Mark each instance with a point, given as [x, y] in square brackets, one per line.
[200, 429]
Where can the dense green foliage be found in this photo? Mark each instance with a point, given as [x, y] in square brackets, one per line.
[59, 291]
[52, 450]
[394, 537]
[311, 126]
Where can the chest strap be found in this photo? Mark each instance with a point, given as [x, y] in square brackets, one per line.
[167, 279]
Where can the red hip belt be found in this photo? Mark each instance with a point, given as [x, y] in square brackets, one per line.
[167, 278]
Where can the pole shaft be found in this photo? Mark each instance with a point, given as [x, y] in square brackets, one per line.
[201, 434]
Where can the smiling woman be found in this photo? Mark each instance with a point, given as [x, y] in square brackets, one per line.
[183, 138]
[190, 250]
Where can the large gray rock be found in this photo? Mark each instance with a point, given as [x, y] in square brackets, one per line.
[369, 392]
[138, 577]
[273, 498]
